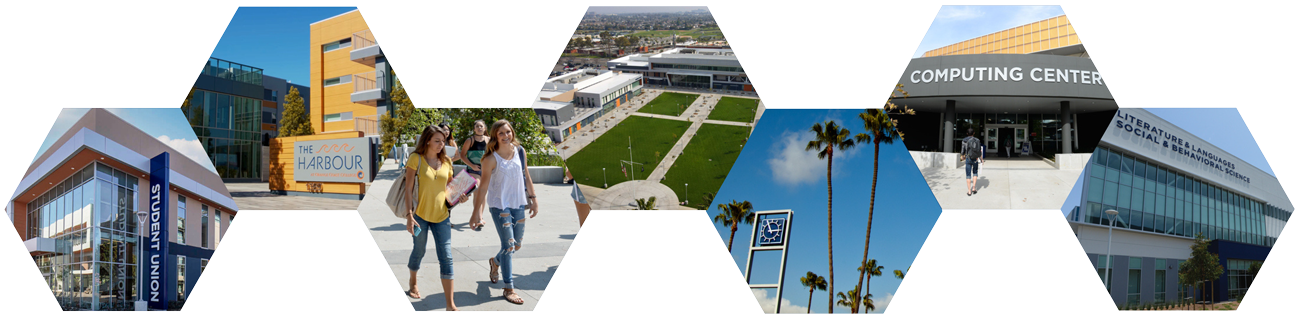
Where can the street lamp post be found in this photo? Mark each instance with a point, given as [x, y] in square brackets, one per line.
[140, 304]
[1113, 213]
[688, 193]
[629, 157]
[602, 174]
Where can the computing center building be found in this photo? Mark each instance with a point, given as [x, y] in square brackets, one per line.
[1027, 91]
[76, 211]
[1168, 186]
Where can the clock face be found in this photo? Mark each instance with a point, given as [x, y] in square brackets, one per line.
[771, 231]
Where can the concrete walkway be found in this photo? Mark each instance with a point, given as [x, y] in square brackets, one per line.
[258, 196]
[547, 238]
[1017, 183]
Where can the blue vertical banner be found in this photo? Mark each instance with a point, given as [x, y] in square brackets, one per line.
[157, 262]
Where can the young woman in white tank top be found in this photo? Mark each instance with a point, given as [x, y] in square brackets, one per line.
[508, 193]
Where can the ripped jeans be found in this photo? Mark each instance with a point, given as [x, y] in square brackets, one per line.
[510, 229]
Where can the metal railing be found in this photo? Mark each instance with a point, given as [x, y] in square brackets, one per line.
[367, 81]
[368, 124]
[363, 39]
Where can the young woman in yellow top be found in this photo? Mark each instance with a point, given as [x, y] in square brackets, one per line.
[432, 167]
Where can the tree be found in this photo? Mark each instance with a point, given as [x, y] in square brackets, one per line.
[394, 128]
[294, 121]
[869, 304]
[872, 270]
[879, 128]
[528, 128]
[1203, 266]
[731, 215]
[645, 203]
[813, 282]
[1250, 278]
[849, 299]
[826, 139]
[707, 200]
[901, 273]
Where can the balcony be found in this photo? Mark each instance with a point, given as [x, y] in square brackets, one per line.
[364, 48]
[369, 88]
[368, 124]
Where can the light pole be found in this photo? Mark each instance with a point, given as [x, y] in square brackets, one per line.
[602, 174]
[688, 193]
[629, 157]
[140, 304]
[1113, 213]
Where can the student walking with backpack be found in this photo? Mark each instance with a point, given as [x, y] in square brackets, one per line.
[508, 193]
[972, 152]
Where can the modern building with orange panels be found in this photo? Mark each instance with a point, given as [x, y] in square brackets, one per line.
[350, 78]
[78, 210]
[1050, 36]
[1027, 91]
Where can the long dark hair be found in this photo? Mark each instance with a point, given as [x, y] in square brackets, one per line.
[423, 144]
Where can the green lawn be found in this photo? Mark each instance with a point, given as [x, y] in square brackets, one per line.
[669, 103]
[735, 109]
[649, 136]
[693, 32]
[706, 161]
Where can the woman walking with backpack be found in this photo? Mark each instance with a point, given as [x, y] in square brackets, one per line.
[431, 169]
[509, 191]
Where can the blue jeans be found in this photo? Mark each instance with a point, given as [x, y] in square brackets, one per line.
[971, 169]
[441, 233]
[510, 229]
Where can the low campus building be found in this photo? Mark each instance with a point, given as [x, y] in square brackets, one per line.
[569, 102]
[76, 211]
[1168, 186]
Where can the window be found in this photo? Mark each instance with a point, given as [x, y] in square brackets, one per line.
[218, 228]
[345, 116]
[180, 219]
[180, 277]
[204, 226]
[338, 80]
[336, 45]
[1102, 264]
[1160, 281]
[203, 265]
[1134, 280]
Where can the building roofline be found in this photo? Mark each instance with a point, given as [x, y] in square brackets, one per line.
[336, 16]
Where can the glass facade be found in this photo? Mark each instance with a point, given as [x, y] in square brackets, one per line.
[1240, 275]
[91, 218]
[229, 127]
[1045, 130]
[1153, 198]
[233, 71]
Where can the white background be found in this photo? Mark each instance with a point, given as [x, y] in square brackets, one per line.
[804, 54]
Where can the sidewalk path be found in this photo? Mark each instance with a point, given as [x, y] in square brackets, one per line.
[258, 196]
[1022, 183]
[546, 240]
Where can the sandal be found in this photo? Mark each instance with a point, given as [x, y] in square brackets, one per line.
[516, 300]
[492, 262]
[413, 294]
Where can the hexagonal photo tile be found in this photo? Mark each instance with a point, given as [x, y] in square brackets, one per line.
[650, 106]
[1005, 107]
[289, 105]
[121, 209]
[825, 181]
[1177, 209]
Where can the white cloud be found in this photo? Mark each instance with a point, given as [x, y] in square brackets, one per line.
[769, 303]
[190, 148]
[955, 13]
[792, 166]
[881, 305]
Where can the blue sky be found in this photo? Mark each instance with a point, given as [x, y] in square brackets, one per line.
[1229, 133]
[960, 23]
[784, 176]
[167, 125]
[274, 39]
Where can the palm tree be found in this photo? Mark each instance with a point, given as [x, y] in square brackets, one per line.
[732, 215]
[849, 299]
[826, 139]
[901, 273]
[868, 303]
[813, 282]
[645, 204]
[879, 129]
[872, 270]
[708, 199]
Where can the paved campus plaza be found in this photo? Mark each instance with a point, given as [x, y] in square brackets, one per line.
[546, 239]
[1020, 183]
[669, 155]
[258, 196]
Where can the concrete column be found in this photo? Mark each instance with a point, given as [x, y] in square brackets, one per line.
[1067, 141]
[949, 118]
